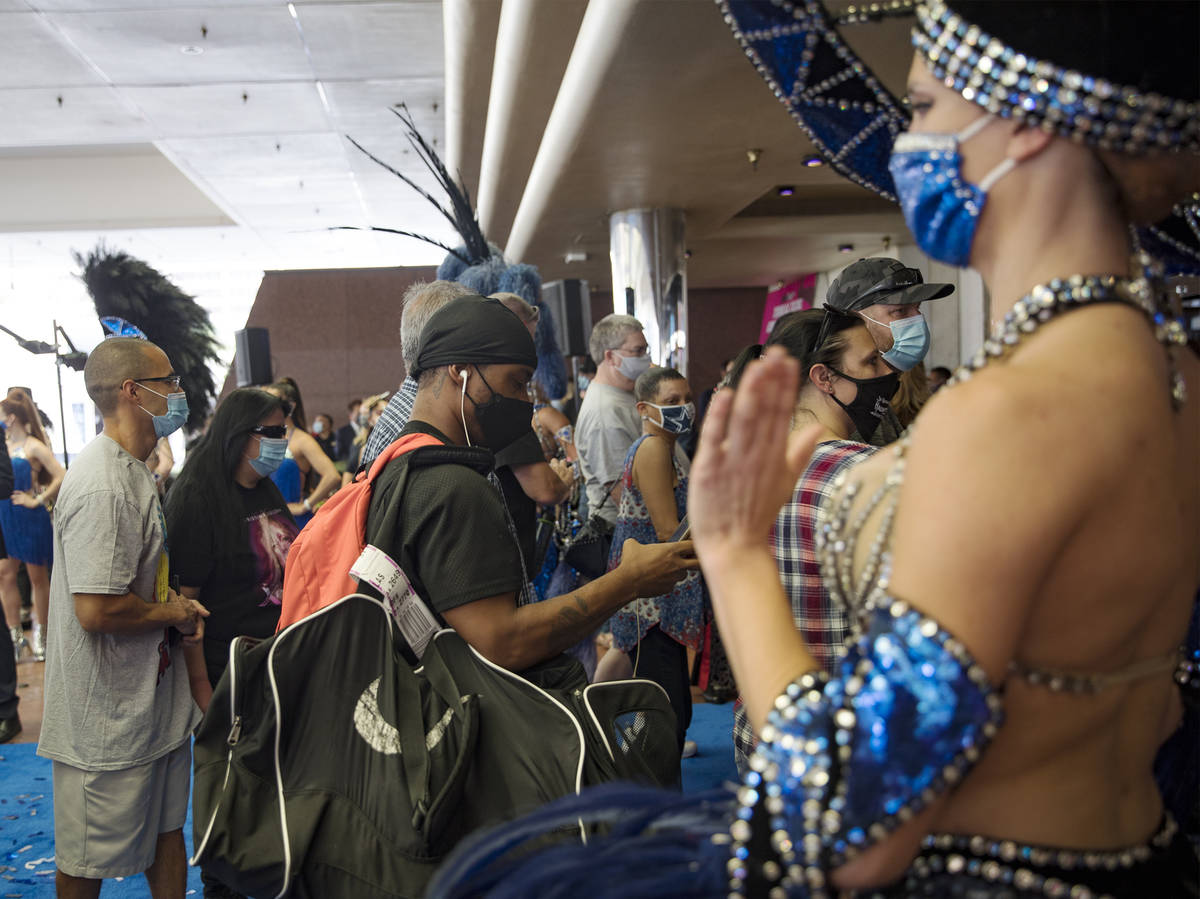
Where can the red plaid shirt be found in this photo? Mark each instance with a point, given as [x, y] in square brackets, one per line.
[824, 625]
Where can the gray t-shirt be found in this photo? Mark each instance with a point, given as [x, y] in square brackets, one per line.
[112, 701]
[606, 428]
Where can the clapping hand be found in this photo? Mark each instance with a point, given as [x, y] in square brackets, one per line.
[748, 461]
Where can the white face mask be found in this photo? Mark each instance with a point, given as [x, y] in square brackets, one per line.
[632, 366]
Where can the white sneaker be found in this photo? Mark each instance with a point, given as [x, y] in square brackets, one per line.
[690, 749]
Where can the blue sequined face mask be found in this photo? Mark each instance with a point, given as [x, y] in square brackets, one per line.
[941, 208]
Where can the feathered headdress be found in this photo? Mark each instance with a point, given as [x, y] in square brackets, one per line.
[475, 263]
[133, 299]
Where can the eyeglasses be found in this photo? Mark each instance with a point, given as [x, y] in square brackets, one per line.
[172, 380]
[270, 431]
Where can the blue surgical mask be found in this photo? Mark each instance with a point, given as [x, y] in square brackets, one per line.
[318, 427]
[271, 451]
[177, 412]
[941, 208]
[675, 419]
[910, 341]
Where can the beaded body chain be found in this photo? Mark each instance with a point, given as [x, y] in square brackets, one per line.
[837, 532]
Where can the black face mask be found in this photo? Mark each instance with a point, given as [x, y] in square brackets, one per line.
[502, 419]
[872, 402]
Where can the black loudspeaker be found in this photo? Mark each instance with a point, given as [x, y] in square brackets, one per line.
[571, 307]
[252, 356]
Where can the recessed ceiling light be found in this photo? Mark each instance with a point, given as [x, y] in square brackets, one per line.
[845, 248]
[191, 50]
[813, 161]
[786, 190]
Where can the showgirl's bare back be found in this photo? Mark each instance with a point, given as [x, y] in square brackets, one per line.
[1050, 514]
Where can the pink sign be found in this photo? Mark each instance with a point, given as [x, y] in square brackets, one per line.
[788, 298]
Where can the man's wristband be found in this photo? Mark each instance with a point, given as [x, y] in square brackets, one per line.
[307, 504]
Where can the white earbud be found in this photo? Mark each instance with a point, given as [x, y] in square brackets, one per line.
[462, 404]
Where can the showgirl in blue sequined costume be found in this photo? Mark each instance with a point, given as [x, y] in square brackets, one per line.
[25, 518]
[1021, 566]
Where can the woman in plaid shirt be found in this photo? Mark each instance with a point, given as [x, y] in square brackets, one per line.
[844, 378]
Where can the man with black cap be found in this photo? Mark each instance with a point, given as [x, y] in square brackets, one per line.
[887, 295]
[453, 535]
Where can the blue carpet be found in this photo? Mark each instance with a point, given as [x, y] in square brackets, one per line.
[712, 729]
[27, 812]
[27, 833]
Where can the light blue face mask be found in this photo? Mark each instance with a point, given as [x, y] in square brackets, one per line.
[941, 208]
[177, 412]
[271, 451]
[910, 341]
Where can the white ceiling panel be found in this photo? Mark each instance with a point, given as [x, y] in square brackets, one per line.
[370, 40]
[315, 190]
[216, 110]
[297, 215]
[363, 108]
[243, 44]
[70, 115]
[34, 54]
[131, 5]
[294, 155]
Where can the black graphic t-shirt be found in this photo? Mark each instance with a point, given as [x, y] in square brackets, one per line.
[242, 592]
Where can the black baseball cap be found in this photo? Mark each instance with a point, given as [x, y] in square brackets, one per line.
[881, 280]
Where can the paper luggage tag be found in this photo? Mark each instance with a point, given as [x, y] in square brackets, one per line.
[417, 624]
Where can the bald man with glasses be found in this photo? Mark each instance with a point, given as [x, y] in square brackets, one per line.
[118, 708]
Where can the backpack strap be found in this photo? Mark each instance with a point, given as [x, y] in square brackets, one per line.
[405, 443]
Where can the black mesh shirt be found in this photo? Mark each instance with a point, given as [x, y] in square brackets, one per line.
[450, 534]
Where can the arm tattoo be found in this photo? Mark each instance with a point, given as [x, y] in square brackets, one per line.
[577, 615]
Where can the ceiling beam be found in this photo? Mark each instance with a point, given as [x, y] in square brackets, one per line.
[596, 47]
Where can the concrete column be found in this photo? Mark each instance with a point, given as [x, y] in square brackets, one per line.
[650, 278]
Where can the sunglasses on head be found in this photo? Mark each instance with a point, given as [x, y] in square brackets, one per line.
[270, 431]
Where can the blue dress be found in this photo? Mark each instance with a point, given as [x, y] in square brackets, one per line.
[28, 535]
[290, 480]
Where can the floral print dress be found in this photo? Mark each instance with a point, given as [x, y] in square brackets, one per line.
[680, 613]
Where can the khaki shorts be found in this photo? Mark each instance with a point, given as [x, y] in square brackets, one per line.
[107, 823]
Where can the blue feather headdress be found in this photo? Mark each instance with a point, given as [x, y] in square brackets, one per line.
[475, 263]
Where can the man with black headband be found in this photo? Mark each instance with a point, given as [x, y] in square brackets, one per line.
[453, 535]
[887, 295]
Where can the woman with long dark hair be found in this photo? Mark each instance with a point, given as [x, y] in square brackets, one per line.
[304, 456]
[229, 531]
[230, 528]
[25, 518]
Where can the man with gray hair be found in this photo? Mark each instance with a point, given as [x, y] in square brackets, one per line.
[608, 422]
[420, 301]
[524, 476]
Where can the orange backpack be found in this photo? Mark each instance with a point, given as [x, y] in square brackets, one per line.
[317, 573]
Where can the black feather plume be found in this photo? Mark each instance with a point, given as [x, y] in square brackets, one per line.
[129, 288]
[436, 243]
[461, 214]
